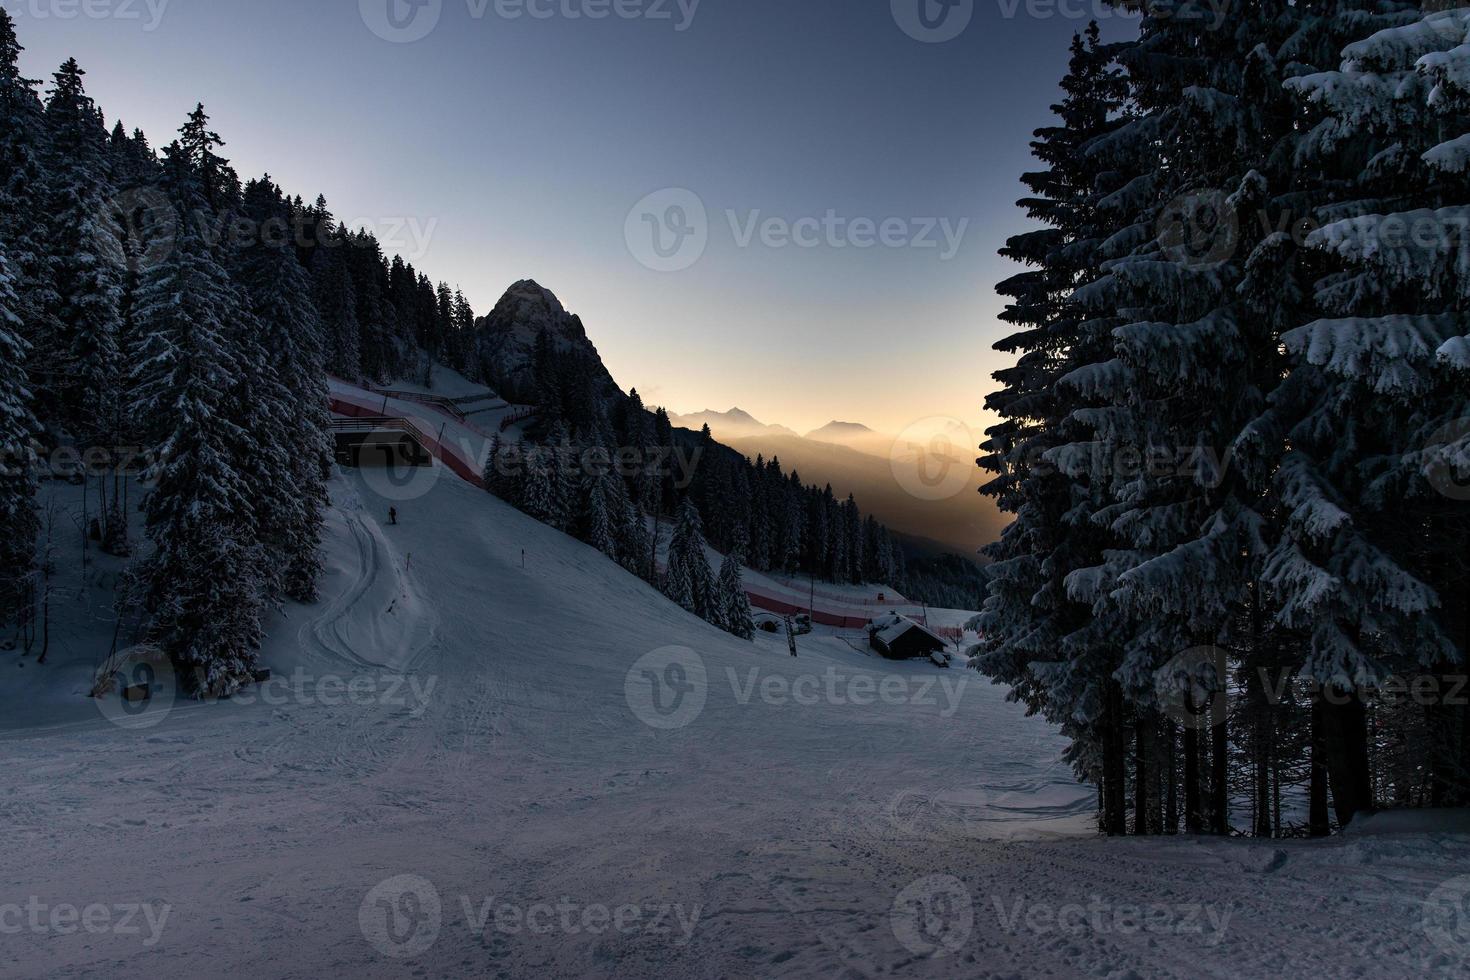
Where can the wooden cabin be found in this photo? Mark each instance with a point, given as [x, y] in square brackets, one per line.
[900, 638]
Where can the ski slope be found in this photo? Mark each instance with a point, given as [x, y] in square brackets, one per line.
[509, 733]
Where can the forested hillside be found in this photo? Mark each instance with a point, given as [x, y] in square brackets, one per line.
[164, 323]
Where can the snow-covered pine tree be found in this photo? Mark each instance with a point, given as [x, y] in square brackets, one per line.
[735, 614]
[1374, 567]
[335, 294]
[634, 545]
[84, 364]
[199, 585]
[596, 527]
[538, 496]
[18, 520]
[218, 182]
[289, 339]
[1043, 635]
[688, 580]
[23, 181]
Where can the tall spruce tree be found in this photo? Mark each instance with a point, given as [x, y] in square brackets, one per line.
[199, 585]
[18, 520]
[687, 579]
[83, 357]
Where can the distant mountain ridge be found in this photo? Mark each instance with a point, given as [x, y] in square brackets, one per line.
[736, 423]
[839, 431]
[850, 456]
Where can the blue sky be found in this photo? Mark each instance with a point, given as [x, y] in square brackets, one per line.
[501, 145]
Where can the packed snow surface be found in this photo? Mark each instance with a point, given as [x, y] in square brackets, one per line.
[489, 752]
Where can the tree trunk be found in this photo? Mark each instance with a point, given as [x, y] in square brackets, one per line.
[1171, 789]
[1193, 819]
[1263, 739]
[1219, 755]
[1141, 771]
[1115, 818]
[1275, 792]
[1347, 754]
[1317, 822]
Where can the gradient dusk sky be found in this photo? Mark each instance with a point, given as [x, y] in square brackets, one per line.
[518, 147]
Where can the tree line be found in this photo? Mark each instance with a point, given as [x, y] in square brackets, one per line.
[608, 470]
[1235, 439]
[155, 308]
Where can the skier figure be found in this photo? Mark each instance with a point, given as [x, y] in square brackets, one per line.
[392, 515]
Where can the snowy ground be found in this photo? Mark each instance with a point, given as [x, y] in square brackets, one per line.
[478, 768]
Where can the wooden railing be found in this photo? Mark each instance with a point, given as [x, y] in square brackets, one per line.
[446, 405]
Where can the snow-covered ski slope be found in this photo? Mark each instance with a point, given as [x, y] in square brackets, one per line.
[476, 767]
[463, 444]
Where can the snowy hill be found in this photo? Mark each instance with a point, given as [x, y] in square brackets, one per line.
[499, 713]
